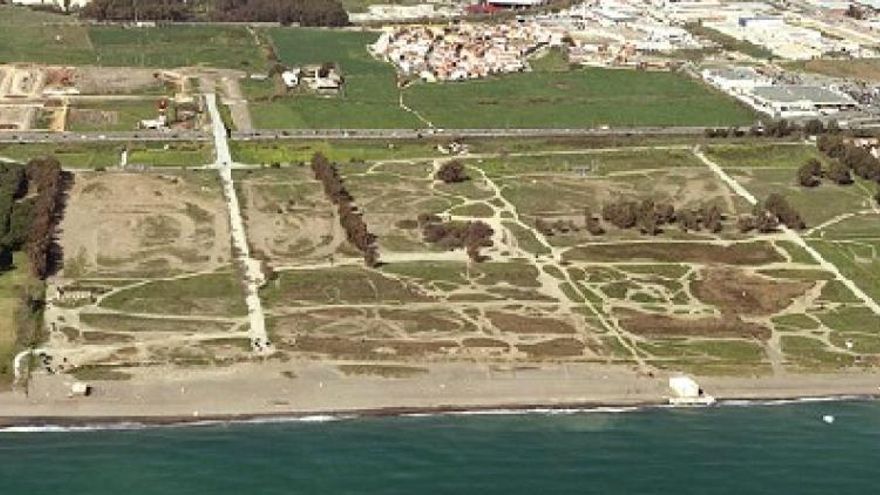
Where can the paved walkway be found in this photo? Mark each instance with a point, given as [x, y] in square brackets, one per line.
[252, 272]
[792, 235]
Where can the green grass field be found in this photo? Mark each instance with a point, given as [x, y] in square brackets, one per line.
[86, 155]
[551, 96]
[40, 37]
[106, 155]
[174, 154]
[26, 36]
[576, 98]
[370, 97]
[10, 299]
[176, 46]
[122, 115]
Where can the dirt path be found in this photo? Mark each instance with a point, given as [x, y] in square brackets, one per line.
[793, 236]
[253, 274]
[419, 116]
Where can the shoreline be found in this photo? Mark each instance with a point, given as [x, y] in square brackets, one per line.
[317, 416]
[318, 391]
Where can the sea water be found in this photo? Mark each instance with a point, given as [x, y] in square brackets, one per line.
[733, 449]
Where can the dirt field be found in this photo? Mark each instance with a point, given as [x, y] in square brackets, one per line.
[119, 224]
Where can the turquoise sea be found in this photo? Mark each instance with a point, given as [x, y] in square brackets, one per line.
[760, 449]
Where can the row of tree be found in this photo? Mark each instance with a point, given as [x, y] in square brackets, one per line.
[767, 216]
[472, 236]
[811, 173]
[31, 197]
[351, 220]
[304, 12]
[646, 215]
[776, 128]
[853, 158]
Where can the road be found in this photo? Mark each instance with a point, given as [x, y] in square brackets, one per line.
[183, 135]
[792, 235]
[253, 274]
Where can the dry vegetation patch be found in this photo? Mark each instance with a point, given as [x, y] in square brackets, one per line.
[384, 371]
[143, 224]
[663, 326]
[518, 324]
[554, 348]
[736, 292]
[748, 253]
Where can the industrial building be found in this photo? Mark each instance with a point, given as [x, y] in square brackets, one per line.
[800, 101]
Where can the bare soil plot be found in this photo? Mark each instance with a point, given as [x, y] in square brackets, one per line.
[121, 224]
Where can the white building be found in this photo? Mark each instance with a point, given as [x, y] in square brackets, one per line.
[735, 79]
[291, 77]
[800, 101]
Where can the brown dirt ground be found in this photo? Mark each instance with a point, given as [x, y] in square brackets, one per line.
[295, 226]
[119, 223]
[110, 80]
[736, 292]
[517, 324]
[554, 348]
[660, 326]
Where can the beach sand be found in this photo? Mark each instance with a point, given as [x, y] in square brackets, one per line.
[311, 387]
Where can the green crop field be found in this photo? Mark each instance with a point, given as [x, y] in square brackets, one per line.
[28, 36]
[370, 98]
[71, 155]
[176, 46]
[551, 96]
[576, 98]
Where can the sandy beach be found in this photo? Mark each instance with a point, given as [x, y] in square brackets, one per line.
[310, 388]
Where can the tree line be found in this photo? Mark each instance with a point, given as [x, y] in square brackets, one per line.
[350, 218]
[650, 218]
[472, 236]
[845, 159]
[31, 197]
[775, 128]
[303, 12]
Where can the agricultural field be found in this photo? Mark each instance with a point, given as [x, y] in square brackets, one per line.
[91, 156]
[41, 37]
[546, 97]
[576, 98]
[230, 47]
[28, 36]
[865, 69]
[369, 99]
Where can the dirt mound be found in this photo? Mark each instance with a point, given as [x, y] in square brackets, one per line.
[660, 326]
[750, 253]
[736, 292]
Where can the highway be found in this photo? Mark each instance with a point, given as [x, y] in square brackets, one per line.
[296, 134]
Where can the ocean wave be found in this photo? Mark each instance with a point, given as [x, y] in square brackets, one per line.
[795, 400]
[326, 418]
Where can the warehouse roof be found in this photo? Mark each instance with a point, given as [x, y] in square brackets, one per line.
[791, 94]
